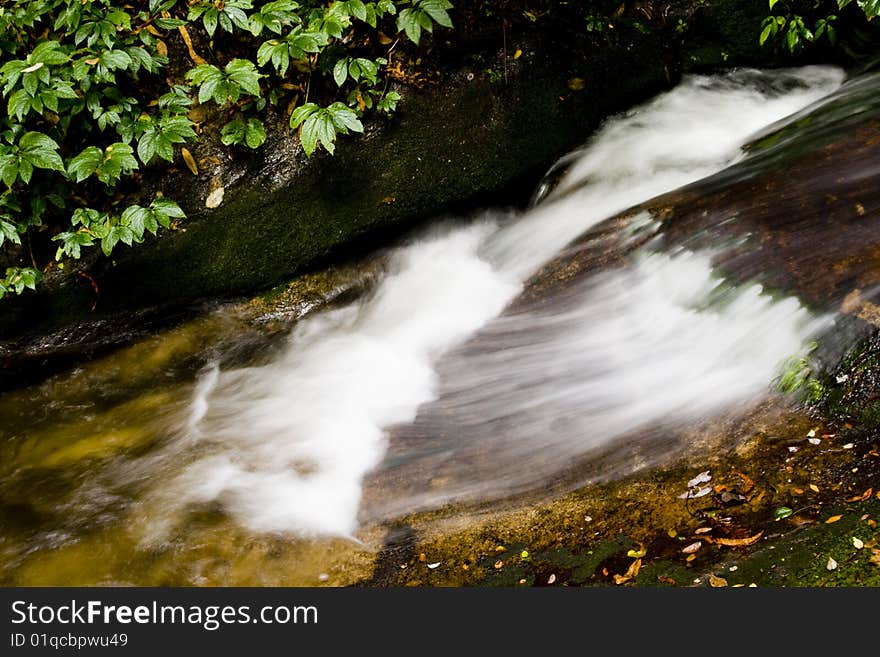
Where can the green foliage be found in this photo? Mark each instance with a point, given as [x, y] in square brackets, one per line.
[797, 376]
[239, 131]
[91, 104]
[422, 15]
[802, 22]
[320, 125]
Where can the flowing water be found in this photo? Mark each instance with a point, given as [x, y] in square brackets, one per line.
[437, 387]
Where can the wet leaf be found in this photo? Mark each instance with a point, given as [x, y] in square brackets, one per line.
[814, 441]
[858, 543]
[190, 162]
[517, 54]
[703, 530]
[693, 547]
[737, 542]
[814, 488]
[432, 566]
[524, 555]
[423, 557]
[576, 84]
[691, 557]
[832, 564]
[702, 478]
[666, 580]
[875, 557]
[500, 548]
[833, 519]
[637, 554]
[551, 579]
[717, 582]
[864, 496]
[499, 565]
[621, 579]
[782, 512]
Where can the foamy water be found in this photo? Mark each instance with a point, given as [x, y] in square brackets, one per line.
[286, 446]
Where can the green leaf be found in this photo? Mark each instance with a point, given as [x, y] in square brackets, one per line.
[19, 104]
[340, 71]
[245, 75]
[41, 151]
[167, 207]
[255, 133]
[115, 59]
[344, 118]
[301, 113]
[8, 232]
[437, 10]
[85, 164]
[782, 512]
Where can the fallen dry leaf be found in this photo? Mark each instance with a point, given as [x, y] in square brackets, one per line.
[621, 579]
[736, 542]
[717, 582]
[864, 496]
[858, 543]
[691, 557]
[432, 566]
[193, 55]
[748, 484]
[190, 162]
[693, 547]
[666, 580]
[551, 579]
[814, 488]
[875, 557]
[499, 565]
[832, 564]
[703, 530]
[833, 519]
[423, 557]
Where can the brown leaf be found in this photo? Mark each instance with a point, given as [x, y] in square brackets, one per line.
[875, 557]
[190, 162]
[703, 530]
[748, 484]
[621, 579]
[634, 568]
[693, 547]
[864, 496]
[666, 580]
[737, 542]
[833, 519]
[92, 61]
[161, 48]
[814, 488]
[193, 55]
[384, 39]
[717, 582]
[499, 565]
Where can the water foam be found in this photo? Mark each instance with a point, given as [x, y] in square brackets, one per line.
[286, 446]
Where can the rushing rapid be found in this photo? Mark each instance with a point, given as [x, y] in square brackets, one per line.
[663, 340]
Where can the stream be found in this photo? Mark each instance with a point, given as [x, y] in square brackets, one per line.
[461, 377]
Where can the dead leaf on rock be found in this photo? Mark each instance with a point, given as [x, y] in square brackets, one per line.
[736, 542]
[864, 496]
[693, 547]
[717, 582]
[190, 162]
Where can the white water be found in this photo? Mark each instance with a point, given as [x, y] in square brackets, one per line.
[286, 446]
